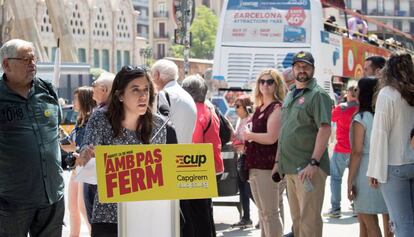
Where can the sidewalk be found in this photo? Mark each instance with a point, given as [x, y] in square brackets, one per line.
[224, 216]
[345, 226]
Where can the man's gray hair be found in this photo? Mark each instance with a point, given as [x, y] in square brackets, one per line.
[168, 69]
[196, 86]
[9, 49]
[106, 79]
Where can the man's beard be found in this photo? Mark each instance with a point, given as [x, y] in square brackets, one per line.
[304, 78]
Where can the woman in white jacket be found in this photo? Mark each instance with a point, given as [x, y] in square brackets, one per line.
[391, 161]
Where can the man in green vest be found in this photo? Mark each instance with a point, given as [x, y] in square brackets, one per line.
[302, 150]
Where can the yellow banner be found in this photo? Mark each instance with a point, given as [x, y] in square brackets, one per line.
[155, 172]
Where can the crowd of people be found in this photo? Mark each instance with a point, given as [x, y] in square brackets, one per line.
[357, 28]
[282, 136]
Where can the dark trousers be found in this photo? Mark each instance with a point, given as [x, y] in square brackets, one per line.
[245, 194]
[89, 192]
[104, 230]
[39, 222]
[197, 218]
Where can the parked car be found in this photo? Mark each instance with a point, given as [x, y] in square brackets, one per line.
[69, 118]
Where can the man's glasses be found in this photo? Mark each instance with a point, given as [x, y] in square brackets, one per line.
[26, 60]
[269, 82]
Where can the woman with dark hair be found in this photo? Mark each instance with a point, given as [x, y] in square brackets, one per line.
[368, 201]
[391, 159]
[83, 104]
[127, 120]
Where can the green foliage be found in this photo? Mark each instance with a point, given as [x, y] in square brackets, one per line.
[96, 72]
[203, 32]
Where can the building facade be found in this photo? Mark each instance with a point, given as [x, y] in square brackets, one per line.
[162, 24]
[142, 6]
[104, 31]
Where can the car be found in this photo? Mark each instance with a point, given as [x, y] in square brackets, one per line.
[69, 118]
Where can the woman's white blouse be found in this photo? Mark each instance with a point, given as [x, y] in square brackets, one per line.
[390, 138]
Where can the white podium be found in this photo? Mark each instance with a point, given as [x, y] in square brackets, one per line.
[149, 219]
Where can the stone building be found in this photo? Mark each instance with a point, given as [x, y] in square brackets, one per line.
[104, 31]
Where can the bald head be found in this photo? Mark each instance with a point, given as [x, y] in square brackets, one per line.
[102, 87]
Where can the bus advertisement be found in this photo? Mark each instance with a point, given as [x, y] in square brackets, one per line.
[258, 34]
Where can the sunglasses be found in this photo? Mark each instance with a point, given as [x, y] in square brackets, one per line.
[269, 82]
[135, 69]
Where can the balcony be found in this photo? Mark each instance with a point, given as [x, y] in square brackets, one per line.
[159, 14]
[161, 36]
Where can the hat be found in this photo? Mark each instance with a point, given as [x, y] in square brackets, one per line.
[305, 57]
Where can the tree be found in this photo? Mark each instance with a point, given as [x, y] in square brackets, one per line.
[203, 33]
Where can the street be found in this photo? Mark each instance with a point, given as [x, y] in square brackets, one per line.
[224, 216]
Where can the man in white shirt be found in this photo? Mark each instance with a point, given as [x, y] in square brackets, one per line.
[182, 113]
[182, 109]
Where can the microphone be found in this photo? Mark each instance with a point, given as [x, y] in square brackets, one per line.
[164, 110]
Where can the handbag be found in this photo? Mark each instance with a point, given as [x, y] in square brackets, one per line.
[241, 168]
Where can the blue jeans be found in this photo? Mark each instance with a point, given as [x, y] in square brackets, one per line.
[339, 162]
[245, 195]
[398, 194]
[39, 222]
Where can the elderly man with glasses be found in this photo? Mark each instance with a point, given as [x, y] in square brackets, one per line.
[31, 182]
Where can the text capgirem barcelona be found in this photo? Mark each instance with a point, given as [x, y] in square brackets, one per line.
[130, 172]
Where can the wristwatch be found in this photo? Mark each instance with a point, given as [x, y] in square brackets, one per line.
[314, 162]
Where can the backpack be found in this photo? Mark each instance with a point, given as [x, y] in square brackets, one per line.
[226, 130]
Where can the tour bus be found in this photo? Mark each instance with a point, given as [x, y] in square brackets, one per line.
[257, 34]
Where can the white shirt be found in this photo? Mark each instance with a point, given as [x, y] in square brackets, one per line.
[390, 138]
[183, 111]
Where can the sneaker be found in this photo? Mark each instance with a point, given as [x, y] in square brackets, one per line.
[289, 235]
[333, 213]
[243, 223]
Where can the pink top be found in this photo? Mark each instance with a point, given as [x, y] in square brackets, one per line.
[260, 156]
[212, 134]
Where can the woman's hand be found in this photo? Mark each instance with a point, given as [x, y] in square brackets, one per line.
[239, 148]
[373, 182]
[275, 168]
[85, 155]
[247, 135]
[351, 192]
